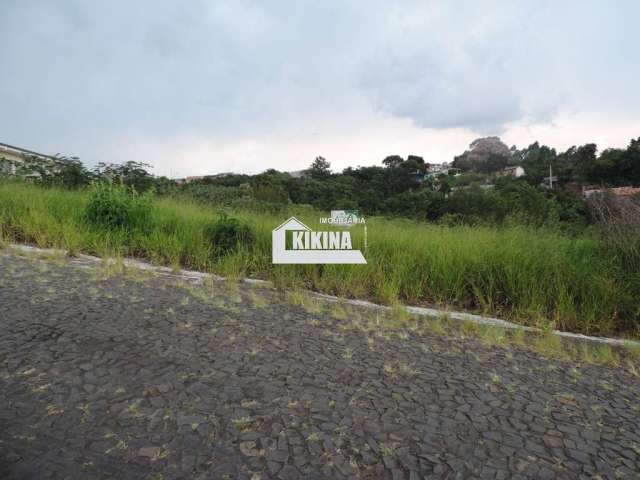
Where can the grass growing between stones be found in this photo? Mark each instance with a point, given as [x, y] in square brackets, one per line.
[397, 324]
[338, 311]
[302, 299]
[516, 272]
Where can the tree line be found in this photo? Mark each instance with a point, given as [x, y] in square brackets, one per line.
[472, 190]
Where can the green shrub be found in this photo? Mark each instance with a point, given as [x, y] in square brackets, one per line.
[116, 207]
[228, 234]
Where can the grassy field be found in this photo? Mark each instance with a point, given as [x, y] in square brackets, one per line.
[535, 277]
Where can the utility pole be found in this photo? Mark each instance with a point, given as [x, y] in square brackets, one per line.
[550, 178]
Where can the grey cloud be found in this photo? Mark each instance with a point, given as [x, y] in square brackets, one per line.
[81, 72]
[481, 68]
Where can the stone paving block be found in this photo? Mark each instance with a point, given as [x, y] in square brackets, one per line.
[96, 383]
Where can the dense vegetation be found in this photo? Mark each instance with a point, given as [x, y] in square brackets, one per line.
[471, 238]
[399, 190]
[471, 192]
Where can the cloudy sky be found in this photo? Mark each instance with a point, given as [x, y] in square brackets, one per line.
[196, 87]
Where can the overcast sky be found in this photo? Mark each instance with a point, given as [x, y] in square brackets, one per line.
[196, 87]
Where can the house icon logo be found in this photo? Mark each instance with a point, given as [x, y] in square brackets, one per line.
[312, 247]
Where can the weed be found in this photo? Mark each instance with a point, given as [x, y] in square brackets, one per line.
[406, 370]
[400, 317]
[338, 312]
[121, 445]
[258, 301]
[389, 369]
[243, 424]
[160, 454]
[575, 373]
[313, 306]
[492, 336]
[586, 354]
[54, 410]
[387, 449]
[633, 352]
[134, 409]
[253, 352]
[438, 325]
[469, 328]
[549, 345]
[518, 336]
[606, 355]
[40, 388]
[371, 343]
[295, 297]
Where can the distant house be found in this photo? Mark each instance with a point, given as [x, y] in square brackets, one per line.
[11, 157]
[515, 172]
[436, 169]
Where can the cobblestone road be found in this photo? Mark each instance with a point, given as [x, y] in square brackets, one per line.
[140, 377]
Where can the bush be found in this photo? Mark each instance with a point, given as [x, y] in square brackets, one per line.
[117, 207]
[228, 234]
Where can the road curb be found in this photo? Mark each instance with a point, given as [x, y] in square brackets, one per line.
[194, 276]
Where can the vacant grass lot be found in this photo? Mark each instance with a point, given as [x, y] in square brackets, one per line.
[535, 277]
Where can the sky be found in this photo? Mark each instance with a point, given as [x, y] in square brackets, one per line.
[203, 87]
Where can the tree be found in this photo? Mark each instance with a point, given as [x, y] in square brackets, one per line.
[392, 161]
[416, 163]
[71, 173]
[320, 168]
[536, 160]
[584, 159]
[131, 174]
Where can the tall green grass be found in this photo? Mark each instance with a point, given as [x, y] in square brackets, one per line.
[535, 277]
